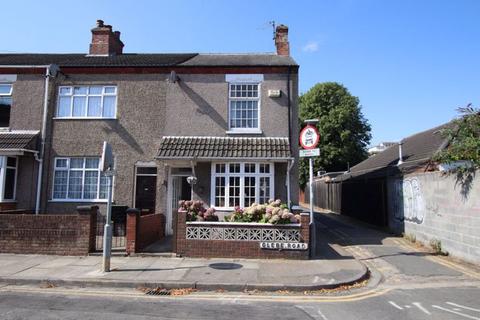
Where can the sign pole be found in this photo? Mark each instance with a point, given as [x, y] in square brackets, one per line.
[107, 168]
[310, 189]
[107, 233]
[309, 138]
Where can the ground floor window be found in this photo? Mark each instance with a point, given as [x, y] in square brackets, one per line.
[79, 179]
[241, 184]
[8, 177]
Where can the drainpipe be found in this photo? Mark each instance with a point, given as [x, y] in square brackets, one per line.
[50, 71]
[289, 104]
[290, 166]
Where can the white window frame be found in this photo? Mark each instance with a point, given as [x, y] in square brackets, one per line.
[87, 95]
[9, 94]
[258, 99]
[3, 175]
[242, 174]
[68, 169]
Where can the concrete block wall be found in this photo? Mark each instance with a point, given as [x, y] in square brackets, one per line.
[434, 206]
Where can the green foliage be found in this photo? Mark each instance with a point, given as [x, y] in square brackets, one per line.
[436, 245]
[410, 237]
[344, 132]
[464, 139]
[464, 145]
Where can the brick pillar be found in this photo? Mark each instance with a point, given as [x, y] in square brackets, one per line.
[161, 231]
[133, 217]
[180, 232]
[305, 227]
[92, 211]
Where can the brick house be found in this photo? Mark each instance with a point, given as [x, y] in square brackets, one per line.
[230, 120]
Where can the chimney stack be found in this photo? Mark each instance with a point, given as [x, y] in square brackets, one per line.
[105, 41]
[281, 40]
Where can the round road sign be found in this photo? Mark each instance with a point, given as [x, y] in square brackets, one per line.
[309, 137]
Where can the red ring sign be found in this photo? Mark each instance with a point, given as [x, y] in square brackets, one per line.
[309, 137]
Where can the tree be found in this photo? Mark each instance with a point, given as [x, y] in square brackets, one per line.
[463, 149]
[344, 132]
[464, 139]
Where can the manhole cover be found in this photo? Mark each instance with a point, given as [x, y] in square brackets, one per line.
[225, 266]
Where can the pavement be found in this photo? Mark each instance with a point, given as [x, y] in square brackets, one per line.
[172, 272]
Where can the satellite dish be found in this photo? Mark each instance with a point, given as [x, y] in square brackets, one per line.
[106, 161]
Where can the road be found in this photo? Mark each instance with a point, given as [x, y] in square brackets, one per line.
[415, 285]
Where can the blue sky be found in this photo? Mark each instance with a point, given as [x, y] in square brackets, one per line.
[411, 63]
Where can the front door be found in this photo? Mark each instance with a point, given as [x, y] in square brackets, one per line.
[178, 189]
[145, 190]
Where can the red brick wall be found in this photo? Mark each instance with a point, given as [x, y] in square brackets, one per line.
[235, 248]
[48, 234]
[143, 230]
[7, 206]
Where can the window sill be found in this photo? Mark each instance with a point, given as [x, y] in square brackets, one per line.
[245, 131]
[83, 118]
[80, 201]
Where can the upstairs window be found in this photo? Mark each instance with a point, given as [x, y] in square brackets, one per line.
[87, 102]
[5, 104]
[244, 100]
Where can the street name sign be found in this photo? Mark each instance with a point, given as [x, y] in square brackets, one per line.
[309, 152]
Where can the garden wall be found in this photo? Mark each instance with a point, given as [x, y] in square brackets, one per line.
[143, 230]
[241, 240]
[67, 234]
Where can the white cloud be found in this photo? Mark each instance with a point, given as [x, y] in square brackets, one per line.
[311, 46]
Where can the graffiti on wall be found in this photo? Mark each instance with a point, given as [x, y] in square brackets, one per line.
[408, 201]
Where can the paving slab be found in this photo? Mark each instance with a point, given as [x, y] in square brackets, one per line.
[411, 263]
[166, 272]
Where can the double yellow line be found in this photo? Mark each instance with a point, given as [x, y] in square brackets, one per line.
[202, 296]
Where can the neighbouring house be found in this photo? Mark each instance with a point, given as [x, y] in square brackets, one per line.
[403, 190]
[230, 120]
[382, 146]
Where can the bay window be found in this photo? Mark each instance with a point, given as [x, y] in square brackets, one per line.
[8, 178]
[79, 179]
[241, 184]
[87, 102]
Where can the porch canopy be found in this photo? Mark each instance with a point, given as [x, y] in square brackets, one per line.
[17, 142]
[224, 148]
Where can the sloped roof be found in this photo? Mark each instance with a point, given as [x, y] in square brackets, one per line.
[18, 140]
[146, 60]
[177, 147]
[417, 150]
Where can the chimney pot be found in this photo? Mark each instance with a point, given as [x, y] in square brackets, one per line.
[281, 40]
[104, 41]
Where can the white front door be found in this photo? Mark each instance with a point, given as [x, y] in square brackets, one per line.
[178, 189]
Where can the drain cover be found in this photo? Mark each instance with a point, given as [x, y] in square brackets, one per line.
[225, 266]
[158, 292]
